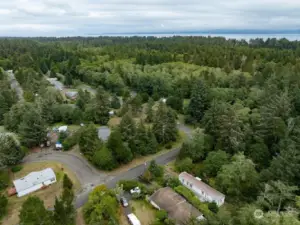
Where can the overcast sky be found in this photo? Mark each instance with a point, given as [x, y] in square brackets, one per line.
[86, 17]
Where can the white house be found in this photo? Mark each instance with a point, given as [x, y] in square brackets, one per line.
[63, 129]
[203, 191]
[34, 181]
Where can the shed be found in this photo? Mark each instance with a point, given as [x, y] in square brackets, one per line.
[133, 219]
[34, 181]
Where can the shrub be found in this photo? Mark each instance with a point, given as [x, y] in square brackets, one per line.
[67, 183]
[4, 179]
[15, 169]
[168, 146]
[62, 136]
[184, 165]
[213, 207]
[130, 184]
[191, 198]
[3, 205]
[172, 182]
[161, 215]
[70, 141]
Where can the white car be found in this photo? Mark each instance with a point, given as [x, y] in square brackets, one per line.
[136, 190]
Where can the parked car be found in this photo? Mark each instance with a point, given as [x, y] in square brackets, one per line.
[124, 201]
[135, 190]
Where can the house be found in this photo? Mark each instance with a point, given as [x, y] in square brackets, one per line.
[176, 206]
[34, 181]
[202, 190]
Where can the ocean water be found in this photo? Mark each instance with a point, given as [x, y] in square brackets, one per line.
[291, 37]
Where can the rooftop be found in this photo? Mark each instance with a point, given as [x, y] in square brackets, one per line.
[176, 206]
[201, 185]
[33, 179]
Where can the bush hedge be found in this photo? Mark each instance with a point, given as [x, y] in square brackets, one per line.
[191, 198]
[4, 179]
[70, 141]
[15, 169]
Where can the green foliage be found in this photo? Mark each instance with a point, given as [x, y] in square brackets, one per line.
[199, 101]
[164, 125]
[238, 179]
[3, 205]
[98, 110]
[71, 141]
[17, 168]
[156, 170]
[214, 162]
[33, 128]
[67, 183]
[130, 184]
[10, 150]
[115, 102]
[161, 215]
[101, 208]
[172, 182]
[149, 111]
[213, 207]
[197, 147]
[175, 102]
[89, 141]
[33, 212]
[83, 99]
[4, 179]
[191, 198]
[127, 127]
[185, 164]
[104, 159]
[120, 150]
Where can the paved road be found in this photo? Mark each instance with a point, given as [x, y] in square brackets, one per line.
[89, 177]
[14, 84]
[85, 173]
[131, 174]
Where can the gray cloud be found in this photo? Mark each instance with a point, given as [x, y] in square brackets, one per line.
[83, 17]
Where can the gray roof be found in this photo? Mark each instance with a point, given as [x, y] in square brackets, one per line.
[103, 133]
[33, 179]
[71, 94]
[201, 185]
[176, 206]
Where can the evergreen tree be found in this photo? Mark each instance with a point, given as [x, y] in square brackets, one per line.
[120, 150]
[115, 102]
[127, 127]
[10, 150]
[83, 99]
[67, 183]
[89, 141]
[33, 212]
[98, 110]
[32, 130]
[149, 111]
[164, 125]
[199, 101]
[104, 159]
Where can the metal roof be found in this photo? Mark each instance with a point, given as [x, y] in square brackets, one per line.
[34, 178]
[201, 185]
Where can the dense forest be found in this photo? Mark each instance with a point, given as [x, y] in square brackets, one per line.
[242, 98]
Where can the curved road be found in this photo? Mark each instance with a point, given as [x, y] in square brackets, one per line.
[89, 177]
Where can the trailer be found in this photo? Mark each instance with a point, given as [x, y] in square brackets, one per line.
[133, 219]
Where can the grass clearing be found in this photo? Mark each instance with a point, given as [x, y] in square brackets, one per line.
[47, 195]
[2, 129]
[143, 211]
[114, 121]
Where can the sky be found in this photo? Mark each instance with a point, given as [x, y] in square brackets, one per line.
[98, 17]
